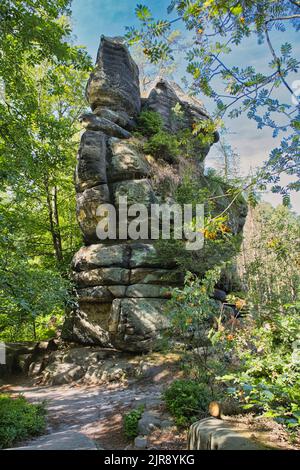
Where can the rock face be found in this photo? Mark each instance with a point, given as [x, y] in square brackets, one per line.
[178, 110]
[215, 434]
[114, 84]
[91, 166]
[122, 285]
[64, 440]
[26, 357]
[165, 97]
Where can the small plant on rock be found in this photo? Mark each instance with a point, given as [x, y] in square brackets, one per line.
[149, 123]
[130, 422]
[163, 146]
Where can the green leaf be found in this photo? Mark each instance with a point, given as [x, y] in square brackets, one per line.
[227, 377]
[248, 406]
[286, 200]
[237, 10]
[143, 13]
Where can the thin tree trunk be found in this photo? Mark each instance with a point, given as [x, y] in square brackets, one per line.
[57, 224]
[34, 329]
[54, 221]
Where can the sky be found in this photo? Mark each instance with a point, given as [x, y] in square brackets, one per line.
[92, 18]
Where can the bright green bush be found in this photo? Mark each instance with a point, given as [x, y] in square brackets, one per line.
[191, 308]
[187, 400]
[149, 123]
[19, 420]
[164, 146]
[130, 422]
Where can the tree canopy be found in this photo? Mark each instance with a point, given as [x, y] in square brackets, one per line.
[43, 77]
[218, 28]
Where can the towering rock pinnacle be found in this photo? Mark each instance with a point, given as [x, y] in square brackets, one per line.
[122, 286]
[114, 84]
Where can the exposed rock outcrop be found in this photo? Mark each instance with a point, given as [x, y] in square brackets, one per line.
[215, 434]
[165, 96]
[19, 357]
[178, 110]
[114, 84]
[122, 285]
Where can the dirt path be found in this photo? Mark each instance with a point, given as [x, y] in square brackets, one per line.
[95, 412]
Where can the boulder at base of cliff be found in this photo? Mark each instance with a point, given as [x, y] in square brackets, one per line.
[136, 324]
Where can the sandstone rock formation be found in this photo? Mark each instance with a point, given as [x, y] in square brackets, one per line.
[164, 97]
[122, 286]
[114, 84]
[178, 110]
[216, 434]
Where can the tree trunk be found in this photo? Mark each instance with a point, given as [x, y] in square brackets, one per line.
[34, 329]
[51, 195]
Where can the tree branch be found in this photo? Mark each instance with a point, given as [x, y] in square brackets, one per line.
[277, 61]
[283, 18]
[297, 4]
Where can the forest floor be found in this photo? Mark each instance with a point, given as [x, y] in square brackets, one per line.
[96, 411]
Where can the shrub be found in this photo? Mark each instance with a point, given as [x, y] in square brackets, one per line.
[269, 379]
[130, 422]
[164, 146]
[149, 123]
[192, 308]
[19, 420]
[187, 400]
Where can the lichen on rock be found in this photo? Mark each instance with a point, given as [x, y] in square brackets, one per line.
[123, 286]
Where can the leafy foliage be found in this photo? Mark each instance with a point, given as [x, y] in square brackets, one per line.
[42, 76]
[193, 315]
[164, 146]
[192, 307]
[32, 297]
[268, 378]
[255, 358]
[187, 400]
[219, 28]
[222, 206]
[271, 269]
[266, 345]
[149, 123]
[19, 420]
[130, 422]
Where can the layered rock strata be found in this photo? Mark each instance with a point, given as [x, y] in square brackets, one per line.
[122, 285]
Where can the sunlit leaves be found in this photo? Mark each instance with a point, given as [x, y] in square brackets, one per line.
[286, 200]
[133, 36]
[219, 27]
[252, 198]
[270, 379]
[143, 13]
[158, 51]
[237, 10]
[43, 78]
[160, 27]
[286, 49]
